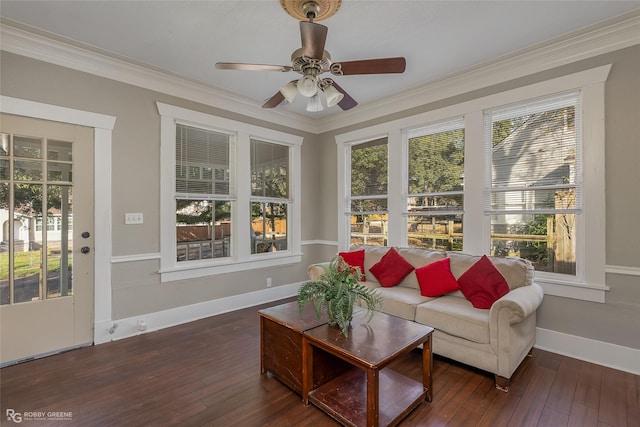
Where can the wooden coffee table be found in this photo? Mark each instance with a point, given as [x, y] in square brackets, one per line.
[369, 394]
[281, 330]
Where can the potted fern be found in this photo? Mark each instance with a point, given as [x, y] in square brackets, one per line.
[335, 293]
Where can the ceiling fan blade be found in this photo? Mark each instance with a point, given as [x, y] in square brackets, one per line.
[274, 101]
[313, 38]
[347, 102]
[251, 67]
[369, 66]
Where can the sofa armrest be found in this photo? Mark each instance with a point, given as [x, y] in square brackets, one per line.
[512, 326]
[314, 271]
[520, 302]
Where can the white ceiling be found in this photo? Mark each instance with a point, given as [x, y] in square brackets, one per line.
[186, 38]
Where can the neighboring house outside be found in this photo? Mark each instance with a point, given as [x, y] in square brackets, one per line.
[540, 152]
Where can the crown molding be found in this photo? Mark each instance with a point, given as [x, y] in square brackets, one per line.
[37, 46]
[622, 33]
[614, 35]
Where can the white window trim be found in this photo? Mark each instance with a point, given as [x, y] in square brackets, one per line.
[241, 258]
[591, 285]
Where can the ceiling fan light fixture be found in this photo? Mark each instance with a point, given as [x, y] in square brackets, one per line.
[315, 104]
[289, 91]
[308, 86]
[333, 95]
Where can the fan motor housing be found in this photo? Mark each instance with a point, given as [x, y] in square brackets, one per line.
[299, 63]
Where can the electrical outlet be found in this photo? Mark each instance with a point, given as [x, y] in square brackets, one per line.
[133, 218]
[268, 282]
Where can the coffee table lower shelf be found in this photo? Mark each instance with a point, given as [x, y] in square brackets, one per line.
[345, 397]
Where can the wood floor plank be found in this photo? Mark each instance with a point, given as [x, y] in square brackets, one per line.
[583, 416]
[613, 403]
[531, 405]
[207, 373]
[551, 417]
[564, 386]
[589, 385]
[632, 398]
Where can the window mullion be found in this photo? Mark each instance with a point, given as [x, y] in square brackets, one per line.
[242, 212]
[397, 229]
[475, 223]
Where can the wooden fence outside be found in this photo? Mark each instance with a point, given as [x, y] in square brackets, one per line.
[559, 257]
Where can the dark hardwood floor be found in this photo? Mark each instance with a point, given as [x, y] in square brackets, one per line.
[207, 373]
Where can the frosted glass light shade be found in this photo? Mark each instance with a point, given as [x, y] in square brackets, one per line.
[315, 103]
[308, 86]
[289, 91]
[333, 96]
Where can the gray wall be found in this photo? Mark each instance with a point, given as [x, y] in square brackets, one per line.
[136, 285]
[618, 320]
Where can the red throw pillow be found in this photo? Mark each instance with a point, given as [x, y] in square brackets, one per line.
[391, 268]
[435, 279]
[355, 259]
[482, 283]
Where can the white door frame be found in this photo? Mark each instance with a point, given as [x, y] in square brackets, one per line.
[103, 127]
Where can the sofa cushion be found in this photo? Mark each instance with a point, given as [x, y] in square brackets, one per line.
[516, 271]
[482, 284]
[355, 259]
[372, 255]
[391, 268]
[418, 257]
[399, 301]
[455, 316]
[435, 279]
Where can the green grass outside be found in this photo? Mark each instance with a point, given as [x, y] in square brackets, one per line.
[28, 263]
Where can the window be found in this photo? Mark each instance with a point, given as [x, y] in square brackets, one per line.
[269, 196]
[435, 174]
[367, 198]
[534, 197]
[229, 195]
[203, 202]
[510, 173]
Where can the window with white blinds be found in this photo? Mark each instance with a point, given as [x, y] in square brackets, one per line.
[367, 198]
[434, 183]
[229, 195]
[535, 156]
[534, 189]
[269, 196]
[533, 183]
[203, 194]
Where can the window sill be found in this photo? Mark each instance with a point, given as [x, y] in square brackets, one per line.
[570, 289]
[193, 270]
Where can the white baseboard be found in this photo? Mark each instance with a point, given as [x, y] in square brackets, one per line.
[122, 328]
[602, 353]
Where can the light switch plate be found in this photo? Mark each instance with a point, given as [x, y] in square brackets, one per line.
[133, 218]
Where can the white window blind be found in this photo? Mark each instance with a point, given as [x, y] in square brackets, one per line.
[269, 170]
[436, 168]
[533, 151]
[369, 177]
[202, 162]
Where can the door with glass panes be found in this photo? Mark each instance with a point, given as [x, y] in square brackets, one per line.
[46, 251]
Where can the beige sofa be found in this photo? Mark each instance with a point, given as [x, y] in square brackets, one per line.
[494, 340]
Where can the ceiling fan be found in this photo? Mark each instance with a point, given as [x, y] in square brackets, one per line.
[311, 61]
